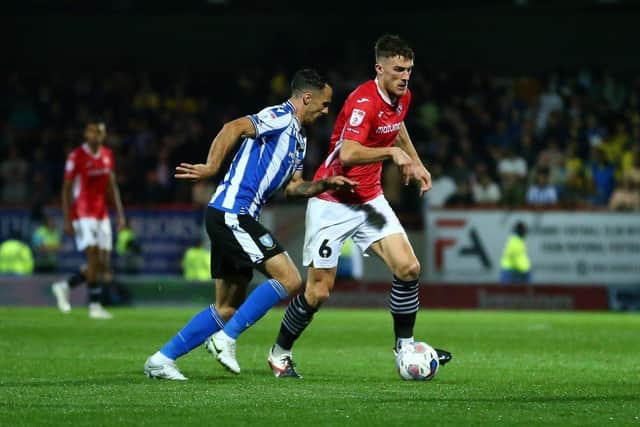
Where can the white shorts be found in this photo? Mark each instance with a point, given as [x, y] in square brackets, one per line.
[92, 232]
[330, 224]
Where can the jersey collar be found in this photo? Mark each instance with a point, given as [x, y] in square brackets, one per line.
[383, 95]
[86, 148]
[290, 105]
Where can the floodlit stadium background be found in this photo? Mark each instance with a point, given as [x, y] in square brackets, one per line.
[557, 86]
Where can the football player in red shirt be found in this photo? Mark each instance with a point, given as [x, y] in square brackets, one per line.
[89, 180]
[368, 130]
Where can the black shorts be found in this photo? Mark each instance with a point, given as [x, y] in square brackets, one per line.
[239, 243]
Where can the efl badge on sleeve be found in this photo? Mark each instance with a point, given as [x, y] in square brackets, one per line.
[266, 241]
[357, 116]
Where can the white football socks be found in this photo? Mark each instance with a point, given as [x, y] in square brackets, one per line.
[279, 351]
[160, 359]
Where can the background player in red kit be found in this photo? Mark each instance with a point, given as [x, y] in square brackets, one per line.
[89, 180]
[368, 130]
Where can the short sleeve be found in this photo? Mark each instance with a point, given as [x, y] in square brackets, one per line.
[270, 120]
[359, 114]
[71, 167]
[299, 162]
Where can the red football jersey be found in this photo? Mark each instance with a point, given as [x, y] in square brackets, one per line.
[90, 175]
[368, 117]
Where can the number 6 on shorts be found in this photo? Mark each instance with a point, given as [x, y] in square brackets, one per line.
[325, 251]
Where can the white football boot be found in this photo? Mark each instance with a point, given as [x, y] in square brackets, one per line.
[96, 311]
[61, 291]
[282, 366]
[224, 349]
[164, 371]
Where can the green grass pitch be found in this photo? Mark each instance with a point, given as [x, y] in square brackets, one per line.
[509, 368]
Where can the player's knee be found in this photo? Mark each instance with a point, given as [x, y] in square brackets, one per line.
[318, 293]
[409, 271]
[226, 312]
[321, 294]
[292, 282]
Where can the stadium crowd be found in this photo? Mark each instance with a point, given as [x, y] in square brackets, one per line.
[561, 139]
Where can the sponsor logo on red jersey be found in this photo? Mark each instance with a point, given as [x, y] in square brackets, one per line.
[368, 118]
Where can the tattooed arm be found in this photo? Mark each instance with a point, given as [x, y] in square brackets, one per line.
[298, 187]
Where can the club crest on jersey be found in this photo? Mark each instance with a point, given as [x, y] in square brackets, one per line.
[266, 241]
[357, 116]
[399, 109]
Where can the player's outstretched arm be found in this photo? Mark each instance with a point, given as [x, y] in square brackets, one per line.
[420, 172]
[298, 187]
[224, 143]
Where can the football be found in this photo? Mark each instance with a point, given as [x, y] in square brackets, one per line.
[417, 361]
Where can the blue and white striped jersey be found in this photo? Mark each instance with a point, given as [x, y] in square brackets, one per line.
[263, 164]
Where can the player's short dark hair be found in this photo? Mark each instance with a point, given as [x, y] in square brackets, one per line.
[307, 79]
[94, 120]
[390, 45]
[520, 229]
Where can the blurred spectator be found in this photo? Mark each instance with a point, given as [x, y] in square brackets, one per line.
[201, 192]
[15, 256]
[549, 102]
[528, 149]
[46, 242]
[613, 91]
[500, 137]
[552, 159]
[153, 191]
[576, 189]
[511, 163]
[602, 176]
[462, 197]
[14, 172]
[515, 265]
[128, 250]
[443, 186]
[196, 263]
[460, 170]
[631, 164]
[573, 163]
[350, 261]
[513, 191]
[541, 192]
[485, 190]
[616, 143]
[594, 133]
[626, 197]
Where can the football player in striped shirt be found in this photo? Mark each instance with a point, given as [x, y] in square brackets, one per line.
[272, 146]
